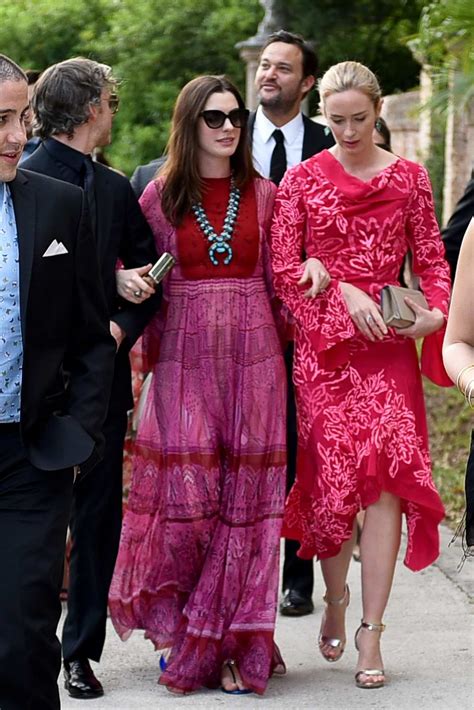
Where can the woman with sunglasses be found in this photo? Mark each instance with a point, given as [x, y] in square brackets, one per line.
[198, 561]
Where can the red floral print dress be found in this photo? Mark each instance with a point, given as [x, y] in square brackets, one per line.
[361, 416]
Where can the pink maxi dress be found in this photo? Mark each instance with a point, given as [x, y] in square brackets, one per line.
[199, 555]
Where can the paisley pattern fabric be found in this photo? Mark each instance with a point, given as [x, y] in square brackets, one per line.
[11, 345]
[199, 555]
[361, 417]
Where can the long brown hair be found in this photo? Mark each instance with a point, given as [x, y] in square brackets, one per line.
[183, 184]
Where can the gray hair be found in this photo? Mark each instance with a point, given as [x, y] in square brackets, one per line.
[9, 71]
[64, 93]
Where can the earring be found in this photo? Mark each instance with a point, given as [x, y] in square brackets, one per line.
[378, 124]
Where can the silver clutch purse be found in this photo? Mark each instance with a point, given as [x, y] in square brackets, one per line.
[395, 312]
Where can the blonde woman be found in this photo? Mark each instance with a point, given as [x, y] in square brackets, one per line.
[355, 210]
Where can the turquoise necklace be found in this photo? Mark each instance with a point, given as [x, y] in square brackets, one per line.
[220, 243]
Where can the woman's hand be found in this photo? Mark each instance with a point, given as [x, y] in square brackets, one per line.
[315, 272]
[132, 285]
[427, 321]
[364, 312]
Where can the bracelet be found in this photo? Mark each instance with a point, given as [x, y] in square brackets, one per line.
[469, 394]
[460, 374]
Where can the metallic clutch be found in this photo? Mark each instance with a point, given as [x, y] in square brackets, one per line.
[159, 270]
[395, 312]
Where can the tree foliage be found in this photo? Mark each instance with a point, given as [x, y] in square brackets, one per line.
[37, 33]
[155, 46]
[369, 31]
[445, 41]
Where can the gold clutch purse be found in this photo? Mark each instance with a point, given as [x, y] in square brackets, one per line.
[395, 312]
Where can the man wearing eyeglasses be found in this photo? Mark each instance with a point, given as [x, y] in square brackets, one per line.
[74, 105]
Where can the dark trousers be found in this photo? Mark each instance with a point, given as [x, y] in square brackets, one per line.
[469, 490]
[34, 513]
[297, 573]
[96, 520]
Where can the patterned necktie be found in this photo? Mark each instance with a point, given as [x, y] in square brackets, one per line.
[278, 161]
[89, 188]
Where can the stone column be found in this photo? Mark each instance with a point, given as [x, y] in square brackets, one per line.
[425, 137]
[459, 153]
[250, 48]
[250, 54]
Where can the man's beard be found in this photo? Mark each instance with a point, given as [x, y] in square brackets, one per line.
[279, 103]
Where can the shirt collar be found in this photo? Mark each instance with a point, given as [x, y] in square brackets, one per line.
[65, 154]
[290, 130]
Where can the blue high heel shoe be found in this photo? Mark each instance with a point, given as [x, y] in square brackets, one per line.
[163, 663]
[237, 691]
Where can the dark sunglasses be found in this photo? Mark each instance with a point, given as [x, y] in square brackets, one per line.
[216, 119]
[113, 102]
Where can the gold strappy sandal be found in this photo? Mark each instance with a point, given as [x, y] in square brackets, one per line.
[326, 640]
[370, 672]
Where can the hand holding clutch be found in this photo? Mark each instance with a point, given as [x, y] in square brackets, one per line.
[139, 283]
[414, 319]
[395, 311]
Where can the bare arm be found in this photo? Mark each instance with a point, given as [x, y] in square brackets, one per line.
[458, 348]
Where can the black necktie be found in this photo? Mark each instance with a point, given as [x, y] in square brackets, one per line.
[278, 161]
[89, 188]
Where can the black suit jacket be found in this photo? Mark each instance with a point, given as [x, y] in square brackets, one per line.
[122, 233]
[315, 138]
[143, 174]
[454, 231]
[65, 325]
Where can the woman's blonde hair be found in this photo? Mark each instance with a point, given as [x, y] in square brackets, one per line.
[349, 75]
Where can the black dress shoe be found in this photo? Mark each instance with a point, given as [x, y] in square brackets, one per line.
[80, 681]
[295, 604]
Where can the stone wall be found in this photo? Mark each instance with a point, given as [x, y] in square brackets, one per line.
[412, 136]
[459, 155]
[400, 112]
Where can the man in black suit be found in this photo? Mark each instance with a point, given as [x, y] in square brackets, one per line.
[74, 104]
[281, 136]
[56, 360]
[453, 235]
[454, 231]
[143, 174]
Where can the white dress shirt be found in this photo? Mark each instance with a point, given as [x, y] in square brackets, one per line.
[263, 143]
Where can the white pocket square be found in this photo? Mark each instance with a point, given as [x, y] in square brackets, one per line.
[55, 248]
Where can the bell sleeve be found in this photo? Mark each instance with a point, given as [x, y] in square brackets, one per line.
[430, 265]
[323, 323]
[148, 347]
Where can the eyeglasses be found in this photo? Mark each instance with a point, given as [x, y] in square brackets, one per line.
[113, 102]
[216, 119]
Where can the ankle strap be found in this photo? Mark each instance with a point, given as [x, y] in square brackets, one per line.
[337, 602]
[372, 627]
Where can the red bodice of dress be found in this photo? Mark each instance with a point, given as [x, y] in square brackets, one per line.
[193, 245]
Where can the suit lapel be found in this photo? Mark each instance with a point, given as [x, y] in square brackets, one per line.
[250, 127]
[315, 138]
[103, 196]
[310, 146]
[24, 203]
